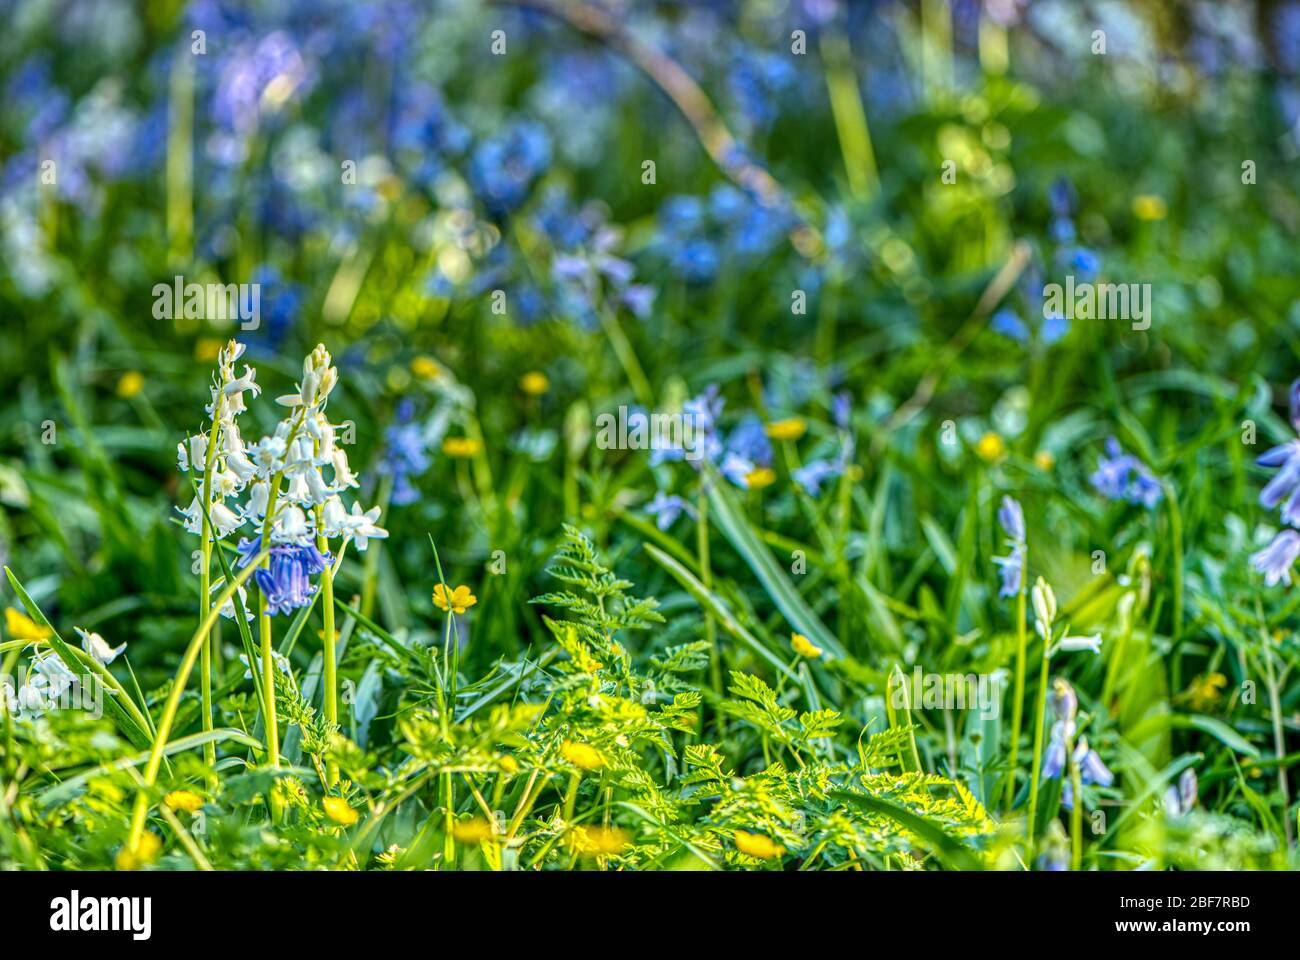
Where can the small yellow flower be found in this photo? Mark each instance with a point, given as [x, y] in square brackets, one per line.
[789, 429]
[582, 755]
[760, 477]
[207, 349]
[337, 809]
[757, 845]
[1203, 693]
[509, 765]
[597, 841]
[145, 853]
[991, 447]
[426, 368]
[454, 600]
[472, 831]
[19, 626]
[534, 383]
[461, 448]
[1044, 460]
[1147, 206]
[803, 646]
[183, 800]
[132, 383]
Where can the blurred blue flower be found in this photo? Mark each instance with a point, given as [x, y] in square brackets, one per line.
[1276, 560]
[503, 168]
[405, 453]
[666, 508]
[1122, 476]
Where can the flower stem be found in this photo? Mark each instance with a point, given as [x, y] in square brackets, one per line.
[1040, 712]
[1018, 701]
[205, 572]
[168, 718]
[1076, 811]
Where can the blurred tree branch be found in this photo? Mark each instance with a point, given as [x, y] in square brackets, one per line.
[669, 76]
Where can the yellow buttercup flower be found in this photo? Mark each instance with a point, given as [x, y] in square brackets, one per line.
[337, 809]
[760, 477]
[803, 646]
[534, 383]
[757, 845]
[582, 755]
[131, 383]
[461, 448]
[183, 800]
[454, 600]
[472, 831]
[791, 428]
[1148, 206]
[1044, 460]
[509, 765]
[207, 349]
[991, 447]
[597, 841]
[426, 368]
[19, 626]
[1203, 693]
[145, 853]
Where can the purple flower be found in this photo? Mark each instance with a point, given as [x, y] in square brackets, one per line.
[286, 582]
[814, 473]
[666, 508]
[405, 454]
[1179, 800]
[1012, 519]
[749, 441]
[1013, 571]
[1122, 476]
[1275, 560]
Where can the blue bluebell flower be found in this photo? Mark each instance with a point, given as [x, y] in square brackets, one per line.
[1275, 560]
[814, 473]
[1180, 800]
[666, 508]
[1122, 476]
[1011, 517]
[286, 582]
[749, 440]
[503, 168]
[1012, 520]
[1008, 323]
[1083, 261]
[841, 409]
[405, 453]
[1012, 567]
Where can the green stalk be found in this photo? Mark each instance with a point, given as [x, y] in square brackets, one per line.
[174, 699]
[849, 116]
[1030, 829]
[706, 578]
[1018, 701]
[205, 574]
[370, 582]
[329, 655]
[1076, 813]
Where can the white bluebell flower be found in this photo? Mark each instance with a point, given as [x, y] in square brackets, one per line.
[98, 647]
